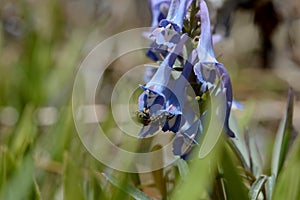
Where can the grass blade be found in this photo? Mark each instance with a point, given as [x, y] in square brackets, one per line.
[20, 184]
[256, 161]
[129, 189]
[269, 186]
[72, 179]
[288, 182]
[200, 177]
[283, 135]
[235, 188]
[239, 145]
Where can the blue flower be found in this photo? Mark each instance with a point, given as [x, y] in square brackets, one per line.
[176, 14]
[168, 34]
[208, 70]
[189, 133]
[185, 139]
[227, 87]
[163, 40]
[177, 96]
[152, 102]
[159, 9]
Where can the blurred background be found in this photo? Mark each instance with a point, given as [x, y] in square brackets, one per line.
[42, 44]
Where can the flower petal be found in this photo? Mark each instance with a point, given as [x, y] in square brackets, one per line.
[159, 10]
[205, 45]
[176, 14]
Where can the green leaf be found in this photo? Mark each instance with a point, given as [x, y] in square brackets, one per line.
[255, 158]
[288, 182]
[200, 177]
[238, 144]
[72, 179]
[257, 187]
[183, 167]
[25, 133]
[37, 191]
[20, 184]
[129, 189]
[235, 188]
[60, 141]
[283, 135]
[269, 185]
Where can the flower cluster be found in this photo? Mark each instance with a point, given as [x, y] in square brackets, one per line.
[164, 103]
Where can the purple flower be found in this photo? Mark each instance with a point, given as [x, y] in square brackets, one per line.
[163, 40]
[185, 139]
[159, 9]
[177, 96]
[189, 133]
[152, 102]
[176, 14]
[208, 70]
[226, 85]
[168, 35]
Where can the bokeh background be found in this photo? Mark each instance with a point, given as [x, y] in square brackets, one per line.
[42, 44]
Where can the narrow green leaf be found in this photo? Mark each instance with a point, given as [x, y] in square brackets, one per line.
[37, 191]
[283, 135]
[183, 168]
[25, 132]
[72, 179]
[219, 191]
[288, 182]
[20, 184]
[235, 188]
[60, 141]
[200, 177]
[269, 185]
[239, 145]
[129, 189]
[257, 187]
[256, 161]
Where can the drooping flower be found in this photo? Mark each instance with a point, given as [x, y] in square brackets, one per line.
[159, 10]
[168, 33]
[176, 14]
[163, 105]
[177, 96]
[186, 138]
[152, 102]
[208, 70]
